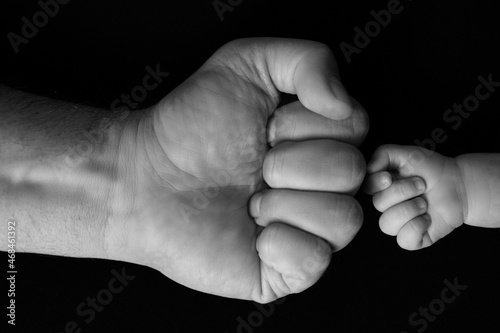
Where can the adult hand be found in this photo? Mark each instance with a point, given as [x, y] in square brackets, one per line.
[206, 202]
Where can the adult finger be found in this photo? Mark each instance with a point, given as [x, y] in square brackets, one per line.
[294, 122]
[304, 68]
[315, 165]
[335, 218]
[292, 259]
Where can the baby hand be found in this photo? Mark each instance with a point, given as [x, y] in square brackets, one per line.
[420, 193]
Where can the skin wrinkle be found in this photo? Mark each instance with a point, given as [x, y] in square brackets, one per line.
[229, 147]
[412, 223]
[325, 167]
[178, 169]
[274, 284]
[273, 200]
[352, 127]
[152, 169]
[249, 82]
[269, 83]
[273, 237]
[463, 195]
[266, 86]
[278, 168]
[269, 162]
[346, 229]
[355, 161]
[293, 122]
[406, 213]
[252, 63]
[403, 189]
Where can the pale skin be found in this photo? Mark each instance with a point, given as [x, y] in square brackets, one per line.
[423, 196]
[189, 186]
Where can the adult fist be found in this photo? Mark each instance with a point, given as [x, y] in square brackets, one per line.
[206, 202]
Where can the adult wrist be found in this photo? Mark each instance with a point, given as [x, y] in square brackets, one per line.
[129, 130]
[463, 188]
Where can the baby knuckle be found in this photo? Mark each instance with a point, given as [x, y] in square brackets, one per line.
[405, 189]
[384, 224]
[408, 211]
[378, 202]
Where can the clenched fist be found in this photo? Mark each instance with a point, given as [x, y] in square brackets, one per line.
[228, 194]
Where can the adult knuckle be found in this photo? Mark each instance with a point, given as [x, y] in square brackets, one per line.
[349, 213]
[266, 243]
[286, 120]
[360, 124]
[321, 48]
[272, 203]
[270, 167]
[355, 216]
[347, 229]
[358, 166]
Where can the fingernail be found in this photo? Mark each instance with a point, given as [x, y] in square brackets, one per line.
[419, 184]
[426, 217]
[339, 91]
[255, 204]
[384, 180]
[421, 203]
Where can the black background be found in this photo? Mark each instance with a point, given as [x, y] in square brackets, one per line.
[426, 59]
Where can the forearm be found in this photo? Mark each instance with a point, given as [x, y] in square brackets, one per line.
[481, 175]
[58, 170]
